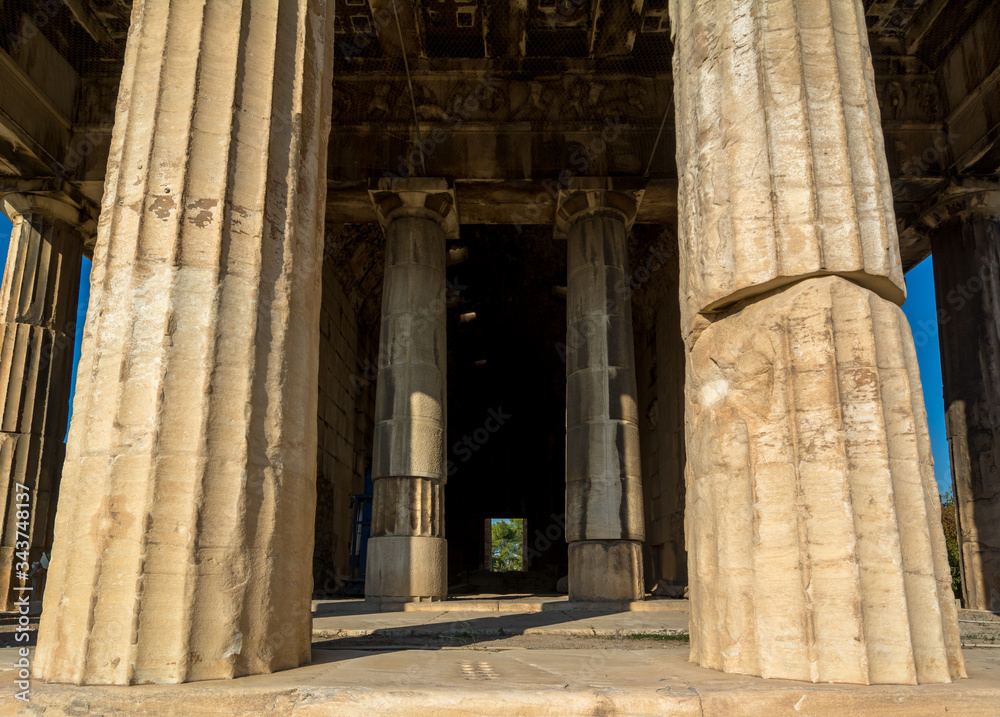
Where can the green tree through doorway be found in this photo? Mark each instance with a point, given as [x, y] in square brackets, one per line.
[507, 542]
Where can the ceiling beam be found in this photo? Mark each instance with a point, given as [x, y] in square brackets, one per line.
[29, 118]
[921, 25]
[91, 24]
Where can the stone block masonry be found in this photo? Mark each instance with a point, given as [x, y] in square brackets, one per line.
[660, 359]
[344, 427]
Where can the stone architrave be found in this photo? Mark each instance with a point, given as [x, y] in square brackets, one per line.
[604, 508]
[407, 551]
[965, 239]
[813, 521]
[184, 533]
[38, 305]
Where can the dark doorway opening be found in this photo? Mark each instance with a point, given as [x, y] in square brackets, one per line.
[506, 404]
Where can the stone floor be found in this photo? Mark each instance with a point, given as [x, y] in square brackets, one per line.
[979, 628]
[501, 616]
[513, 656]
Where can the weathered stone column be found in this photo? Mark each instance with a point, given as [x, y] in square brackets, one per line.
[604, 508]
[37, 327]
[966, 251]
[184, 533]
[407, 553]
[813, 521]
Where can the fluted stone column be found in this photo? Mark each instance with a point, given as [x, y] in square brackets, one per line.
[604, 508]
[813, 521]
[407, 551]
[184, 533]
[38, 302]
[966, 251]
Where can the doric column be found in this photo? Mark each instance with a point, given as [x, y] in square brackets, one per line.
[407, 553]
[966, 251]
[37, 327]
[604, 508]
[813, 521]
[184, 533]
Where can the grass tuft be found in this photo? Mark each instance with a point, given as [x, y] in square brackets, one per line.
[651, 636]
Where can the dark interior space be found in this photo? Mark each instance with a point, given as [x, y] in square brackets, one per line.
[506, 398]
[506, 312]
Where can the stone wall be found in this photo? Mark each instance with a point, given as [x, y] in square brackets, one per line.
[660, 362]
[659, 354]
[348, 346]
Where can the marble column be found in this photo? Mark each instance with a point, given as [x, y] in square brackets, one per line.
[38, 304]
[604, 506]
[407, 551]
[813, 522]
[966, 251]
[184, 533]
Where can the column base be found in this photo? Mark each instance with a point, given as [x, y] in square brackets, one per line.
[404, 568]
[605, 570]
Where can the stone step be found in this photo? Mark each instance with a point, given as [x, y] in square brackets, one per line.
[543, 683]
[503, 604]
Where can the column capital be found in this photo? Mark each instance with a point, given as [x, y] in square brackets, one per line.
[584, 197]
[15, 204]
[429, 197]
[963, 199]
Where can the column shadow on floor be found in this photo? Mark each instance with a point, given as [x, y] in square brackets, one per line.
[467, 630]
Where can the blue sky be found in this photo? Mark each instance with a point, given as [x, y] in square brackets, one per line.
[919, 309]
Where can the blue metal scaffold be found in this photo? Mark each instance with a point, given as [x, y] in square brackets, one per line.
[362, 504]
